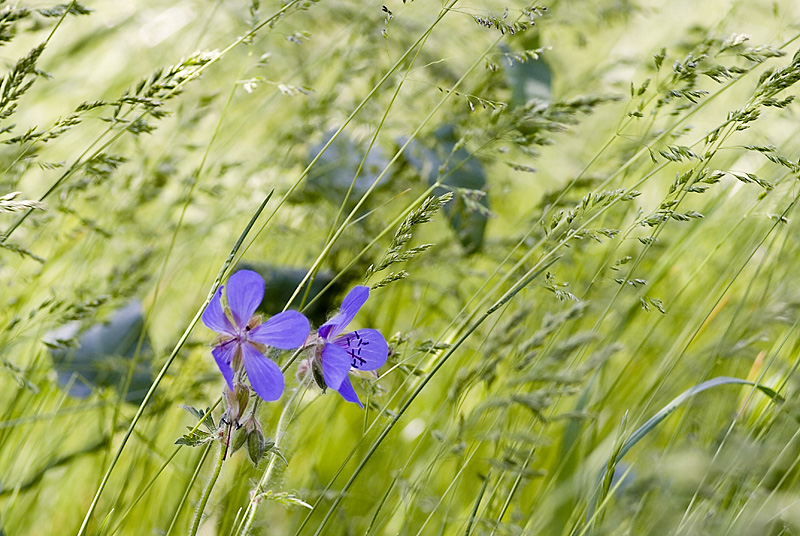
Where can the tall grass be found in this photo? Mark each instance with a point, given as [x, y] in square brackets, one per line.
[577, 219]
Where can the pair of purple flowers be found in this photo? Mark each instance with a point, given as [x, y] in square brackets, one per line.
[243, 339]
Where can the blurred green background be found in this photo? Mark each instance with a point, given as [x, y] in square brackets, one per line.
[638, 158]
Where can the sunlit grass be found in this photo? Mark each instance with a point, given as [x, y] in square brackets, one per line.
[636, 239]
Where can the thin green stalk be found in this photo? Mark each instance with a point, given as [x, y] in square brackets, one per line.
[197, 468]
[420, 42]
[187, 491]
[381, 503]
[452, 486]
[441, 451]
[161, 470]
[286, 417]
[170, 248]
[198, 516]
[156, 382]
[524, 282]
[167, 256]
[291, 360]
[474, 514]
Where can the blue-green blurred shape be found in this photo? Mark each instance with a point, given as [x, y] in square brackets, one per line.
[529, 80]
[331, 178]
[446, 161]
[104, 355]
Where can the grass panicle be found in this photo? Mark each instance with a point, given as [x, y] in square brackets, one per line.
[581, 253]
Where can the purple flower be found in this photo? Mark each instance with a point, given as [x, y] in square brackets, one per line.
[243, 338]
[363, 349]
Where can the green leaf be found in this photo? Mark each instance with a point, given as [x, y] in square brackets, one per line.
[655, 420]
[195, 438]
[270, 447]
[286, 499]
[204, 416]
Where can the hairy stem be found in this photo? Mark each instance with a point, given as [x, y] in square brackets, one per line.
[223, 450]
[255, 498]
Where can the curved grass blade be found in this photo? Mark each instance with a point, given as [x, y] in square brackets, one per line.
[604, 478]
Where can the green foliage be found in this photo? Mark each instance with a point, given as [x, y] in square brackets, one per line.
[196, 437]
[397, 251]
[567, 237]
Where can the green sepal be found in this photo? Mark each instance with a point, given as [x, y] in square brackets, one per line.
[238, 439]
[256, 446]
[316, 371]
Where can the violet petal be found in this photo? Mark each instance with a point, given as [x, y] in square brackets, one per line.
[285, 330]
[354, 300]
[223, 355]
[214, 317]
[324, 330]
[348, 393]
[265, 376]
[245, 292]
[335, 365]
[367, 348]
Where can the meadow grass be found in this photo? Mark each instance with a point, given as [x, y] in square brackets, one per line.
[576, 219]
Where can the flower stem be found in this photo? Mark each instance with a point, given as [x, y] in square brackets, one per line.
[223, 450]
[280, 432]
[292, 359]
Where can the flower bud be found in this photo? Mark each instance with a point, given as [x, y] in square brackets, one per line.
[319, 378]
[237, 401]
[236, 363]
[303, 368]
[256, 445]
[238, 439]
